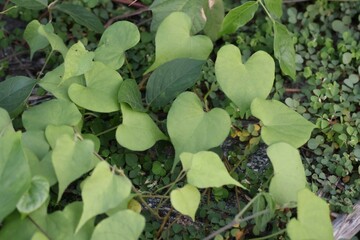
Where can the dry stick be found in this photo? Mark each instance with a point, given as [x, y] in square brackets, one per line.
[292, 90]
[166, 218]
[126, 15]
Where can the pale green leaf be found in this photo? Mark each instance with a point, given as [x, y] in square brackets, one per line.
[274, 7]
[281, 124]
[35, 141]
[193, 130]
[14, 93]
[71, 159]
[55, 112]
[186, 200]
[163, 8]
[170, 79]
[55, 41]
[102, 191]
[35, 196]
[238, 17]
[172, 43]
[53, 133]
[35, 40]
[129, 93]
[82, 16]
[39, 236]
[138, 131]
[45, 168]
[313, 218]
[289, 174]
[52, 82]
[5, 122]
[101, 91]
[115, 40]
[124, 225]
[205, 169]
[31, 4]
[14, 172]
[214, 12]
[77, 61]
[241, 82]
[284, 50]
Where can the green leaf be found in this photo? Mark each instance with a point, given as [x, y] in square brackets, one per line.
[61, 224]
[35, 40]
[71, 159]
[14, 92]
[284, 50]
[55, 112]
[82, 16]
[193, 130]
[5, 123]
[35, 141]
[172, 43]
[313, 218]
[101, 91]
[31, 4]
[138, 131]
[242, 83]
[124, 225]
[53, 133]
[129, 93]
[186, 200]
[281, 124]
[35, 196]
[289, 175]
[214, 12]
[115, 40]
[238, 17]
[39, 236]
[102, 191]
[45, 168]
[274, 7]
[264, 202]
[55, 41]
[14, 172]
[53, 82]
[77, 61]
[170, 79]
[205, 169]
[163, 8]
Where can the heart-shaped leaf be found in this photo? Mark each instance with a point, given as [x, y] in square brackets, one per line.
[205, 169]
[244, 82]
[138, 131]
[35, 196]
[115, 40]
[55, 41]
[125, 224]
[281, 124]
[35, 141]
[170, 79]
[102, 191]
[53, 133]
[193, 130]
[186, 200]
[172, 43]
[101, 91]
[289, 174]
[313, 218]
[274, 7]
[129, 93]
[35, 40]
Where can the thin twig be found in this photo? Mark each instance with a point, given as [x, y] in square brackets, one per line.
[130, 3]
[125, 16]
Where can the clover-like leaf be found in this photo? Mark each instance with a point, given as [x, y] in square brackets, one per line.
[289, 174]
[115, 40]
[77, 61]
[101, 91]
[102, 191]
[138, 131]
[172, 43]
[193, 130]
[205, 169]
[313, 218]
[281, 124]
[186, 200]
[244, 82]
[71, 159]
[125, 224]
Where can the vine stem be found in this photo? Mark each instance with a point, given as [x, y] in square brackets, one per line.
[44, 66]
[270, 236]
[265, 9]
[106, 131]
[39, 227]
[7, 10]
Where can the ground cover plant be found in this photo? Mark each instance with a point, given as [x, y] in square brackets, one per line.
[150, 127]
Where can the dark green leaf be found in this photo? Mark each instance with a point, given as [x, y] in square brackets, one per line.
[14, 93]
[238, 17]
[284, 49]
[170, 79]
[129, 93]
[82, 16]
[31, 4]
[214, 12]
